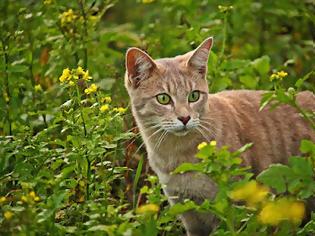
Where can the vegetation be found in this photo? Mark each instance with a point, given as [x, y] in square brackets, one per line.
[71, 158]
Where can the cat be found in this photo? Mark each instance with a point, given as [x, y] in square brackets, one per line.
[174, 111]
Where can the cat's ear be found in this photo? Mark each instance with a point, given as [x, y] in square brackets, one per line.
[139, 65]
[199, 57]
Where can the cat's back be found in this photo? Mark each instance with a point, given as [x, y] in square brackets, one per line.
[275, 133]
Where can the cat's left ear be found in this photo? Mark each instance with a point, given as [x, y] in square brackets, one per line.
[199, 58]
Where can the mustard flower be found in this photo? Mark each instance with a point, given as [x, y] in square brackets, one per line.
[92, 89]
[282, 209]
[252, 193]
[66, 75]
[104, 108]
[213, 143]
[2, 199]
[38, 88]
[8, 215]
[67, 17]
[120, 110]
[147, 1]
[148, 208]
[201, 145]
[24, 199]
[106, 99]
[278, 75]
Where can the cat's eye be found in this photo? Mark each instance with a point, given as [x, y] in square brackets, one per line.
[194, 96]
[163, 98]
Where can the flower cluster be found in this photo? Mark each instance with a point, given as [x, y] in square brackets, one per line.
[120, 110]
[278, 75]
[148, 209]
[252, 193]
[71, 76]
[204, 144]
[283, 209]
[30, 197]
[92, 89]
[67, 17]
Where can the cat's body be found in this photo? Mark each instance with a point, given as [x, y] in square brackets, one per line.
[173, 126]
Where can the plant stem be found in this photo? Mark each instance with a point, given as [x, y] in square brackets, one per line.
[6, 83]
[224, 35]
[81, 112]
[85, 31]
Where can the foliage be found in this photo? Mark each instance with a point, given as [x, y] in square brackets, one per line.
[71, 159]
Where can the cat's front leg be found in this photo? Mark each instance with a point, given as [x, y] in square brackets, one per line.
[196, 187]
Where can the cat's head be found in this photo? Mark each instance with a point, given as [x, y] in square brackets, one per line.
[171, 93]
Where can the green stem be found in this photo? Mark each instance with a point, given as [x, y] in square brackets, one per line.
[88, 176]
[81, 112]
[224, 35]
[6, 83]
[85, 35]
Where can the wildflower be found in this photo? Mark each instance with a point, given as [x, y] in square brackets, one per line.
[2, 199]
[80, 71]
[213, 143]
[24, 199]
[282, 209]
[32, 194]
[147, 1]
[71, 83]
[120, 110]
[47, 2]
[67, 17]
[86, 76]
[66, 75]
[8, 215]
[278, 76]
[38, 88]
[148, 208]
[106, 99]
[36, 198]
[202, 145]
[104, 108]
[252, 193]
[91, 89]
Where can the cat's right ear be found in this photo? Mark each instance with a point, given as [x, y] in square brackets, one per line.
[139, 66]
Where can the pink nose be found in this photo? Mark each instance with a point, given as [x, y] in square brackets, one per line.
[184, 119]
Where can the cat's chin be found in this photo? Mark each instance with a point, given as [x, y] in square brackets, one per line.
[181, 133]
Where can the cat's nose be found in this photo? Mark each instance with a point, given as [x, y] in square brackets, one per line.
[183, 119]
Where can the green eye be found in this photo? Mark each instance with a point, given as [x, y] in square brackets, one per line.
[163, 98]
[194, 96]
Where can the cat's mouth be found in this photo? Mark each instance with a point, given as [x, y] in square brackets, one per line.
[181, 132]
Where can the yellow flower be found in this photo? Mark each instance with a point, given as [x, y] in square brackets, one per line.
[67, 17]
[213, 143]
[24, 199]
[252, 193]
[66, 75]
[202, 145]
[71, 83]
[47, 2]
[2, 199]
[147, 1]
[80, 71]
[106, 99]
[8, 215]
[282, 74]
[37, 199]
[148, 208]
[32, 194]
[104, 108]
[38, 88]
[279, 75]
[86, 76]
[120, 110]
[91, 89]
[282, 209]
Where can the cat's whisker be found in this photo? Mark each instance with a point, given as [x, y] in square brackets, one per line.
[209, 130]
[158, 143]
[154, 133]
[203, 135]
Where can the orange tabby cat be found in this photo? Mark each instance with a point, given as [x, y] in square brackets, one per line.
[175, 113]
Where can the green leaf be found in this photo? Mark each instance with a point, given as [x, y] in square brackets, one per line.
[17, 68]
[276, 176]
[262, 65]
[185, 167]
[249, 81]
